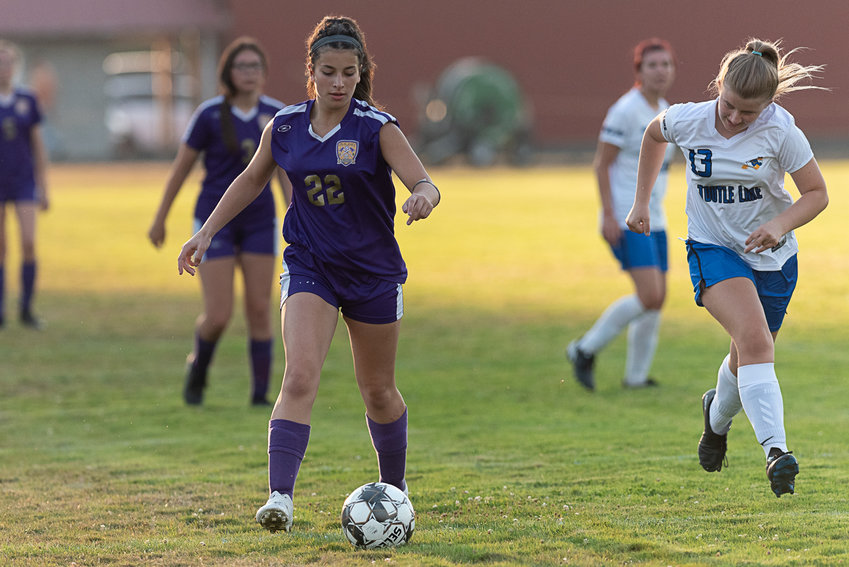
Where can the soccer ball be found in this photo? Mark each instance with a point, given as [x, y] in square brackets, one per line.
[378, 515]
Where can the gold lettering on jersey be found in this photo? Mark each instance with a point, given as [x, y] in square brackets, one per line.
[326, 192]
[346, 152]
[10, 128]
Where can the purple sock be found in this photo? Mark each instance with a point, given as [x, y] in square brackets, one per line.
[287, 444]
[203, 354]
[2, 289]
[260, 352]
[27, 285]
[390, 443]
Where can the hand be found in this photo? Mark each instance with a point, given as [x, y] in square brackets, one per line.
[638, 220]
[417, 207]
[192, 253]
[766, 236]
[156, 233]
[43, 202]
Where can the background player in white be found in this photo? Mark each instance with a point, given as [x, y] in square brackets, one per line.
[23, 179]
[644, 257]
[339, 152]
[741, 247]
[226, 130]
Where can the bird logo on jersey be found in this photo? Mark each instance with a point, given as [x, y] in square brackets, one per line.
[754, 163]
[346, 152]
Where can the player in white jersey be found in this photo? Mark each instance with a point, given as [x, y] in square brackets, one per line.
[644, 257]
[741, 246]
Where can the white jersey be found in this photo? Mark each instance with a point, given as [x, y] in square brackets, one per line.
[735, 185]
[623, 127]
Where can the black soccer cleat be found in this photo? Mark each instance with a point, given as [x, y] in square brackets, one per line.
[31, 321]
[781, 470]
[712, 447]
[195, 383]
[582, 365]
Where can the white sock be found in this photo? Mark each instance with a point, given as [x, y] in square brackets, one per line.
[727, 402]
[761, 398]
[617, 315]
[642, 343]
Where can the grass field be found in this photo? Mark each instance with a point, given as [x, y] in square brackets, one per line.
[510, 462]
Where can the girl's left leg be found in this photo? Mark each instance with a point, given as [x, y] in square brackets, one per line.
[26, 212]
[374, 348]
[258, 274]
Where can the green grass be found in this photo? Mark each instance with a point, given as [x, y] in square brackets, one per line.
[510, 462]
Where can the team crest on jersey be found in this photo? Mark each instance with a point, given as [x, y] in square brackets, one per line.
[346, 152]
[754, 163]
[22, 106]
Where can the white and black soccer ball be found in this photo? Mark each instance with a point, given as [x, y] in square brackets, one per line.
[378, 515]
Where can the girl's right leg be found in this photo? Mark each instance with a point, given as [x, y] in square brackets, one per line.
[216, 277]
[308, 325]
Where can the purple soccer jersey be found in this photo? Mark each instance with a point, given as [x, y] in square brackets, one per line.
[343, 198]
[19, 114]
[204, 134]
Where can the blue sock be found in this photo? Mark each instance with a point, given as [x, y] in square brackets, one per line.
[390, 444]
[260, 352]
[27, 285]
[287, 444]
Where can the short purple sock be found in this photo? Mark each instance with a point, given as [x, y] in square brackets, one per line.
[287, 444]
[260, 353]
[390, 444]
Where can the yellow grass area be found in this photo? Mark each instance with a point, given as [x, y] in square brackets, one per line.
[521, 239]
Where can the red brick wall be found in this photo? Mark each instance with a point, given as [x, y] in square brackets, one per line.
[571, 57]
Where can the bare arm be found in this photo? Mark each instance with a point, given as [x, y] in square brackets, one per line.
[605, 155]
[814, 198]
[409, 169]
[242, 192]
[180, 169]
[652, 152]
[40, 166]
[285, 187]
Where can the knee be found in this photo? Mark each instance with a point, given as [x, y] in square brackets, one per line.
[379, 397]
[215, 323]
[299, 384]
[755, 345]
[652, 299]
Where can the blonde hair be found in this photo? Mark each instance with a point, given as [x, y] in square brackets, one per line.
[760, 71]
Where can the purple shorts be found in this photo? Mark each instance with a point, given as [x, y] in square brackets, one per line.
[360, 296]
[18, 193]
[242, 234]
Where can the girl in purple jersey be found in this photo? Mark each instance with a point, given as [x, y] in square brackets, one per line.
[227, 129]
[344, 192]
[23, 181]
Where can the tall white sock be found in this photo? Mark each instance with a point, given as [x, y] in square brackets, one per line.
[642, 343]
[617, 315]
[727, 402]
[761, 398]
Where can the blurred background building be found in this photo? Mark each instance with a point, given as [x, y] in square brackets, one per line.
[471, 80]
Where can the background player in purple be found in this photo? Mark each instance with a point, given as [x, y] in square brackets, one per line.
[227, 129]
[339, 151]
[23, 182]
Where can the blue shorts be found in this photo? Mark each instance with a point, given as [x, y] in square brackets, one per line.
[241, 235]
[640, 251]
[711, 264]
[361, 297]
